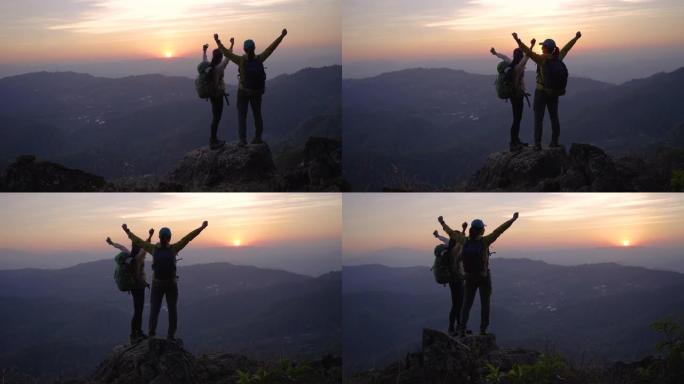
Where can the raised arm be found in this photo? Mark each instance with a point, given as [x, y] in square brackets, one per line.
[188, 238]
[227, 52]
[500, 55]
[117, 246]
[204, 53]
[526, 57]
[146, 245]
[537, 58]
[268, 51]
[570, 44]
[457, 236]
[489, 239]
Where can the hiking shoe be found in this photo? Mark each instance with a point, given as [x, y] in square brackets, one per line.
[515, 147]
[216, 144]
[537, 147]
[257, 140]
[242, 143]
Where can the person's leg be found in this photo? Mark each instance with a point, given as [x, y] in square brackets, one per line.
[456, 288]
[255, 102]
[138, 305]
[172, 305]
[539, 107]
[470, 290]
[216, 112]
[155, 306]
[485, 300]
[517, 105]
[552, 105]
[242, 103]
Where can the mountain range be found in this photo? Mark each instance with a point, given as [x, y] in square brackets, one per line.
[592, 311]
[439, 125]
[144, 124]
[64, 321]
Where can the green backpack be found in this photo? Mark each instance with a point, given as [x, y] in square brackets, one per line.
[204, 83]
[504, 81]
[441, 268]
[124, 275]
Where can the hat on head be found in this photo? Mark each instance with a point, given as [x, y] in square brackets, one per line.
[549, 43]
[249, 45]
[477, 224]
[165, 232]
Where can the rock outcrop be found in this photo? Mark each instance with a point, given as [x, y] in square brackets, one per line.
[584, 168]
[314, 167]
[445, 359]
[158, 361]
[229, 168]
[28, 174]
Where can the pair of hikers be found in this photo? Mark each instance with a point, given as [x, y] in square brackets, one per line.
[252, 85]
[130, 276]
[464, 265]
[552, 78]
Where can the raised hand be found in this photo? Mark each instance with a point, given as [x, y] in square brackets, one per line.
[435, 233]
[515, 216]
[216, 37]
[151, 231]
[109, 240]
[534, 41]
[205, 47]
[578, 34]
[284, 32]
[205, 224]
[125, 227]
[515, 35]
[464, 225]
[493, 51]
[232, 40]
[440, 219]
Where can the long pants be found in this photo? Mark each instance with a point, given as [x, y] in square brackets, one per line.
[472, 284]
[456, 288]
[216, 113]
[161, 288]
[244, 100]
[543, 101]
[138, 305]
[517, 104]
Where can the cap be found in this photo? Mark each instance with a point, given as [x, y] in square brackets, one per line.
[477, 224]
[249, 45]
[548, 43]
[165, 232]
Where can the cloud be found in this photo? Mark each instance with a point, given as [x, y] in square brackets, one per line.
[117, 16]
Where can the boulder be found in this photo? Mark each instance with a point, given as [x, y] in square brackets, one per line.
[229, 168]
[448, 359]
[28, 174]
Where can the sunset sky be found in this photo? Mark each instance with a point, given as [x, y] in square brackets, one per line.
[43, 31]
[547, 221]
[54, 222]
[430, 30]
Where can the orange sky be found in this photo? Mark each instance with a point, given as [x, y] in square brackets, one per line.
[45, 222]
[404, 29]
[58, 30]
[547, 220]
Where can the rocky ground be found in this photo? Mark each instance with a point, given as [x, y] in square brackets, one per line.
[157, 361]
[316, 167]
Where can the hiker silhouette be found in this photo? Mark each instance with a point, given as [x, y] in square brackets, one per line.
[252, 83]
[510, 84]
[132, 263]
[450, 253]
[475, 259]
[552, 77]
[164, 282]
[210, 84]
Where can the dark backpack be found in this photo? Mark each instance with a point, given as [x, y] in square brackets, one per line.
[473, 256]
[204, 83]
[124, 274]
[164, 263]
[504, 81]
[255, 75]
[555, 76]
[441, 267]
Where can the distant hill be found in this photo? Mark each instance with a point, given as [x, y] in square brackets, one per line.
[64, 321]
[145, 124]
[600, 310]
[438, 126]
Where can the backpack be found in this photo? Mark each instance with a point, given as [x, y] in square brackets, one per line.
[164, 263]
[124, 274]
[555, 76]
[441, 268]
[504, 81]
[255, 75]
[204, 83]
[473, 255]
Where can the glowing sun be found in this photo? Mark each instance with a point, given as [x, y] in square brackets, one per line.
[237, 243]
[626, 243]
[168, 54]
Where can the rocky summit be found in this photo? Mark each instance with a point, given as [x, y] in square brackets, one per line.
[584, 168]
[28, 174]
[158, 361]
